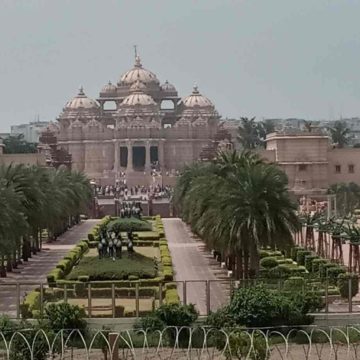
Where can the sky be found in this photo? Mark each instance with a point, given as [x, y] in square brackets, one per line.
[278, 58]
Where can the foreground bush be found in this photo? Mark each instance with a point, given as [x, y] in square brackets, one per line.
[258, 306]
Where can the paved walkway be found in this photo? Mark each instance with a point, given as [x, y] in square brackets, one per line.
[192, 263]
[35, 270]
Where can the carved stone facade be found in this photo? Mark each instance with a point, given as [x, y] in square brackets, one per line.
[134, 125]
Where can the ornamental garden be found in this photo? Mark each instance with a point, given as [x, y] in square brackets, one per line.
[112, 286]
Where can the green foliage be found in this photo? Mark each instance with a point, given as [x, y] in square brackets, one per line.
[300, 256]
[333, 273]
[268, 262]
[65, 316]
[316, 264]
[294, 251]
[258, 306]
[126, 224]
[343, 284]
[54, 275]
[106, 269]
[309, 260]
[172, 297]
[30, 304]
[294, 283]
[15, 144]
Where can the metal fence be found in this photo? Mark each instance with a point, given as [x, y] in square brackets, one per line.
[200, 343]
[206, 295]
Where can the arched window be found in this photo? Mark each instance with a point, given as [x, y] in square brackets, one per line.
[167, 105]
[109, 105]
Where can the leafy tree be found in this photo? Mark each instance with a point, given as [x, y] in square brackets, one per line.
[237, 203]
[252, 134]
[15, 144]
[340, 134]
[347, 197]
[35, 198]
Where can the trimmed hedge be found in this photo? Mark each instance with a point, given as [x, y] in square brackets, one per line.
[269, 262]
[300, 256]
[172, 297]
[343, 284]
[30, 304]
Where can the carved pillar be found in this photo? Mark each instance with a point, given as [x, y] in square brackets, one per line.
[130, 157]
[161, 154]
[116, 159]
[147, 157]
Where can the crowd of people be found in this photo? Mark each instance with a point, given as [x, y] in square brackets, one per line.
[129, 209]
[121, 191]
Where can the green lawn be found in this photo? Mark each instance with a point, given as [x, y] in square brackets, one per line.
[106, 269]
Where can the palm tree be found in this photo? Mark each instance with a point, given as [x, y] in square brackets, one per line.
[238, 203]
[340, 134]
[248, 133]
[32, 199]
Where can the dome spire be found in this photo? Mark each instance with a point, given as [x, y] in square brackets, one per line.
[195, 89]
[81, 90]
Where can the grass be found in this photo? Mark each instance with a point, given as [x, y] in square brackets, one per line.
[126, 224]
[106, 269]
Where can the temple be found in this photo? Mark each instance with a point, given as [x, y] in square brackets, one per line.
[135, 125]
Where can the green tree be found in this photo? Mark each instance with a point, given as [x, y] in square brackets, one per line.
[35, 198]
[237, 203]
[340, 134]
[15, 144]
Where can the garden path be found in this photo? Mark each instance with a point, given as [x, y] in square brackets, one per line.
[194, 264]
[35, 270]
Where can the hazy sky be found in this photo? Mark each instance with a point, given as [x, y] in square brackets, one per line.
[263, 58]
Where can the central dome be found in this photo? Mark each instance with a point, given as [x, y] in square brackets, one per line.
[138, 73]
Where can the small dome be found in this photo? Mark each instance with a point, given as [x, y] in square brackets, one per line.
[138, 98]
[166, 86]
[108, 89]
[81, 101]
[138, 73]
[197, 100]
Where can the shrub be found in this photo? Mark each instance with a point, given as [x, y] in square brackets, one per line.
[308, 261]
[294, 283]
[268, 262]
[333, 273]
[54, 275]
[65, 316]
[64, 265]
[172, 297]
[168, 273]
[129, 223]
[343, 284]
[316, 264]
[176, 314]
[264, 253]
[30, 304]
[83, 278]
[133, 277]
[324, 268]
[258, 306]
[91, 237]
[294, 252]
[280, 272]
[300, 256]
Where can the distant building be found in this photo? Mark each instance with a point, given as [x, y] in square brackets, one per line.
[31, 131]
[4, 135]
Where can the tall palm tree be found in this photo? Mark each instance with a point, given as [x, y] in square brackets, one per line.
[248, 133]
[238, 204]
[340, 134]
[32, 199]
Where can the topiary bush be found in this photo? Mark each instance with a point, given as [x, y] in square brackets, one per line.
[343, 284]
[333, 273]
[126, 224]
[300, 256]
[294, 283]
[316, 264]
[268, 262]
[295, 250]
[308, 261]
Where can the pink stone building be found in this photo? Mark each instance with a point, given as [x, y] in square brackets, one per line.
[135, 124]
